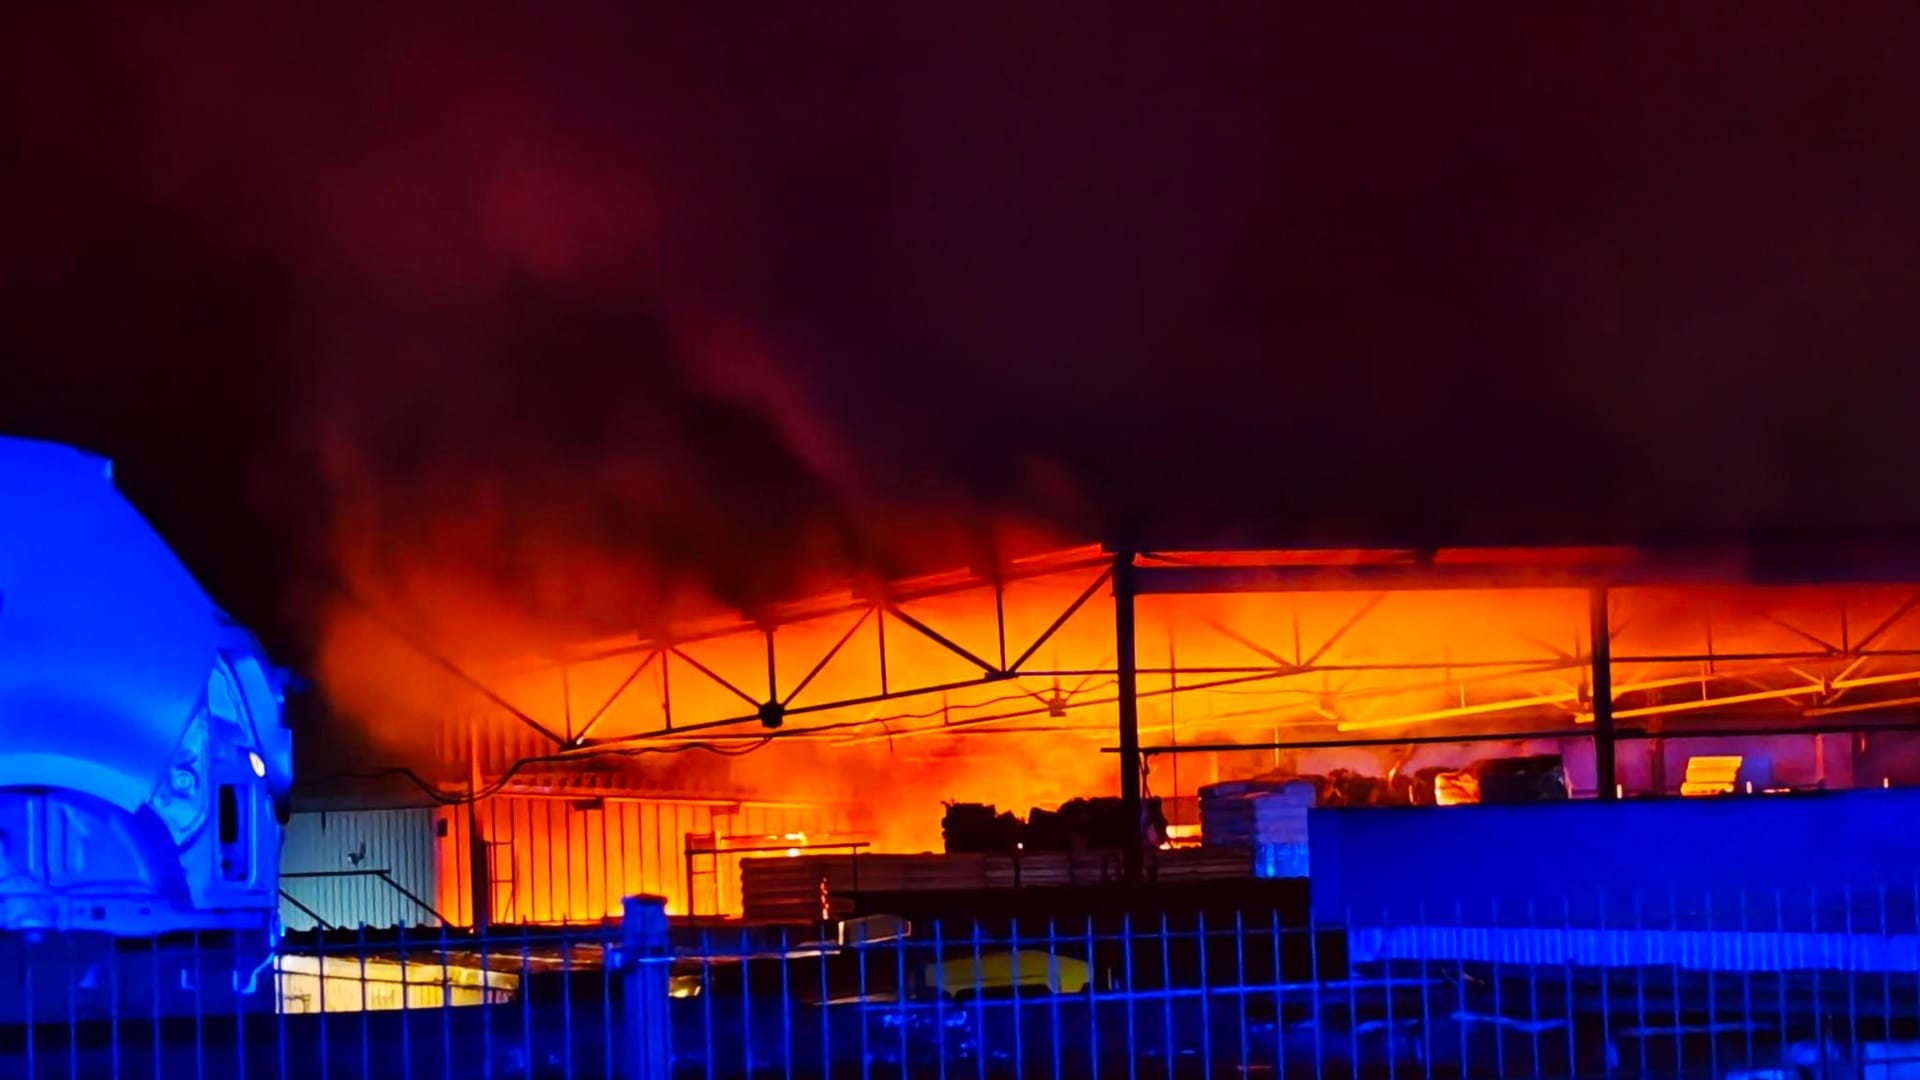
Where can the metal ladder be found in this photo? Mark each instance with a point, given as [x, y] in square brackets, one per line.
[504, 912]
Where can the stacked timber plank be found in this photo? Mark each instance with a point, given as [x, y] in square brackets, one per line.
[806, 888]
[1268, 817]
[813, 888]
[1200, 864]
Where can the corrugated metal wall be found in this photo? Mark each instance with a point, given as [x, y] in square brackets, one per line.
[370, 860]
[561, 860]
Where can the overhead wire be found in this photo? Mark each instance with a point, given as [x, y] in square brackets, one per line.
[505, 779]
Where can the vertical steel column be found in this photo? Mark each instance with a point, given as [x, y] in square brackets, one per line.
[479, 856]
[1600, 633]
[645, 955]
[1129, 702]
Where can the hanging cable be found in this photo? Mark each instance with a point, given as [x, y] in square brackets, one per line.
[500, 784]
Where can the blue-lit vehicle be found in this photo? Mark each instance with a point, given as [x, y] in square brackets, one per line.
[145, 763]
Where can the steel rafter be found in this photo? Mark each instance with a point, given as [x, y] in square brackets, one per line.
[718, 678]
[638, 670]
[906, 592]
[1061, 620]
[1761, 669]
[986, 667]
[827, 657]
[1497, 669]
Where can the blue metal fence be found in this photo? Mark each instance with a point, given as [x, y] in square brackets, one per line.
[1742, 984]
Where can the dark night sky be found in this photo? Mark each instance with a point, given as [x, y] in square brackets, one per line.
[661, 282]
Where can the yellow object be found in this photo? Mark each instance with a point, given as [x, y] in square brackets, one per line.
[1002, 970]
[1456, 789]
[1711, 775]
[311, 984]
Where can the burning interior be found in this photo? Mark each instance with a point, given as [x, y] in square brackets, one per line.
[846, 722]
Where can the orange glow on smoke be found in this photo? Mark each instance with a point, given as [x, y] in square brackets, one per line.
[879, 747]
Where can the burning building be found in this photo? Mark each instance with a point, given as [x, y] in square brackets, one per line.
[566, 779]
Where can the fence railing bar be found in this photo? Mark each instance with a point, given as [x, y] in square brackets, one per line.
[1741, 980]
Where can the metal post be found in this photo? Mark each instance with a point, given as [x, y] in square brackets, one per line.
[1600, 632]
[479, 864]
[1129, 704]
[646, 953]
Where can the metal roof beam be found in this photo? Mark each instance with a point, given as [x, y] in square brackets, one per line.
[1192, 580]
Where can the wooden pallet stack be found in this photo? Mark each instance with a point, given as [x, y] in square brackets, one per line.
[803, 888]
[1265, 816]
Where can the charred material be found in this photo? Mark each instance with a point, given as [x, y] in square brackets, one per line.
[1540, 778]
[1098, 824]
[1089, 824]
[1415, 788]
[978, 828]
[1343, 787]
[1536, 778]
